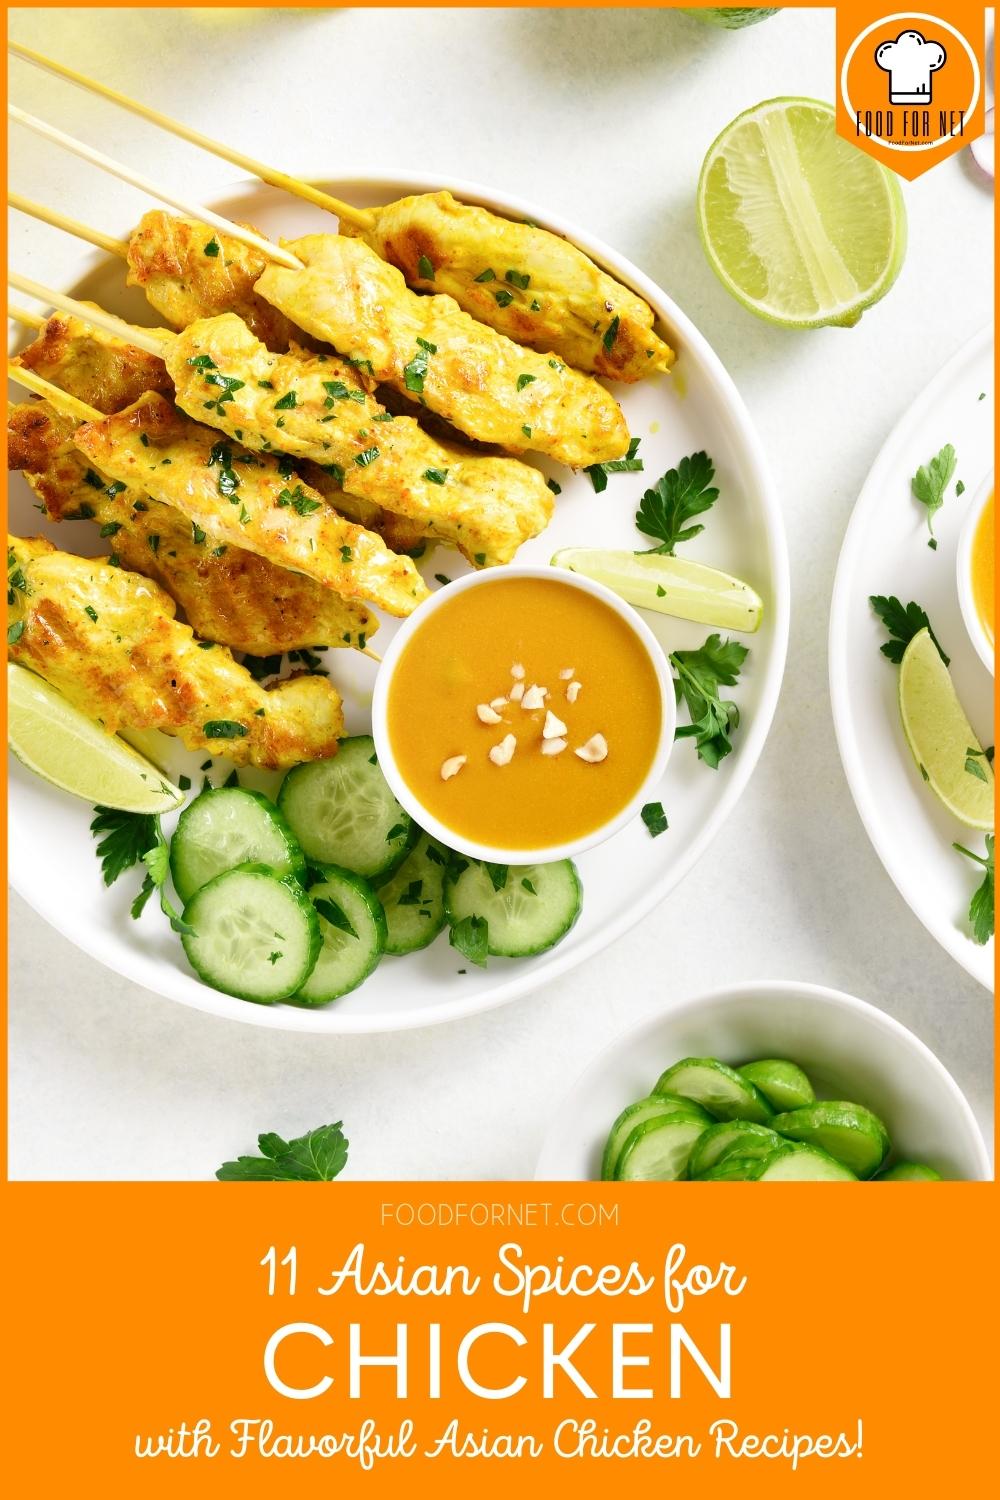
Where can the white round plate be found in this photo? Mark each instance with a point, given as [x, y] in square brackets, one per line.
[850, 1050]
[53, 865]
[885, 552]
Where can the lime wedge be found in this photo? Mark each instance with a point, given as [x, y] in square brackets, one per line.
[65, 748]
[940, 736]
[802, 227]
[732, 17]
[670, 585]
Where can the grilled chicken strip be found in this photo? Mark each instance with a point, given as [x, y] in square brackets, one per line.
[317, 407]
[247, 500]
[189, 270]
[524, 281]
[108, 640]
[227, 594]
[92, 365]
[428, 348]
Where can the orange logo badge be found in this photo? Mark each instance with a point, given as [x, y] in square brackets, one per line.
[911, 83]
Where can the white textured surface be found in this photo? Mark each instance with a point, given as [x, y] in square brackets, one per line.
[606, 115]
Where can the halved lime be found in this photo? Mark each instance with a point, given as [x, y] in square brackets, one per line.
[801, 226]
[65, 748]
[670, 585]
[732, 17]
[940, 736]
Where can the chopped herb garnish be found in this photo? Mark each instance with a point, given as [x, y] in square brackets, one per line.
[213, 247]
[346, 554]
[223, 729]
[436, 476]
[611, 333]
[415, 372]
[396, 831]
[929, 484]
[527, 885]
[206, 645]
[471, 936]
[654, 818]
[15, 632]
[184, 783]
[287, 402]
[498, 874]
[197, 535]
[202, 362]
[331, 912]
[94, 480]
[503, 298]
[425, 268]
[442, 579]
[266, 385]
[298, 500]
[110, 528]
[487, 275]
[630, 464]
[154, 543]
[480, 559]
[89, 610]
[518, 279]
[535, 306]
[554, 487]
[523, 380]
[260, 667]
[526, 430]
[367, 457]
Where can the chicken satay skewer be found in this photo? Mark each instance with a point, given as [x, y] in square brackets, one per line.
[152, 340]
[528, 283]
[320, 410]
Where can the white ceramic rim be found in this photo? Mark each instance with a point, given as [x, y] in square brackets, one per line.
[763, 990]
[963, 571]
[953, 941]
[427, 820]
[554, 965]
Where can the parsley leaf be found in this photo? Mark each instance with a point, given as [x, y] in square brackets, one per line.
[930, 482]
[157, 862]
[124, 839]
[902, 622]
[471, 937]
[318, 1156]
[630, 464]
[682, 493]
[655, 819]
[981, 906]
[699, 676]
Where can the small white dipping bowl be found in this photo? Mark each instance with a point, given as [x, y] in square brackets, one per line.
[963, 563]
[849, 1049]
[497, 853]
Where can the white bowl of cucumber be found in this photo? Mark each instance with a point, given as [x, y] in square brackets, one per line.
[636, 1115]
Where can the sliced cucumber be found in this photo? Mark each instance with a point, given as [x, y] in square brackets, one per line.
[413, 898]
[720, 1090]
[729, 1135]
[783, 1083]
[342, 812]
[654, 1107]
[255, 934]
[801, 1164]
[228, 827]
[849, 1133]
[910, 1171]
[739, 1166]
[352, 932]
[659, 1149]
[533, 910]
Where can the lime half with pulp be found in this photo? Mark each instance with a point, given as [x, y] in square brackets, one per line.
[65, 748]
[670, 585]
[942, 740]
[731, 17]
[801, 226]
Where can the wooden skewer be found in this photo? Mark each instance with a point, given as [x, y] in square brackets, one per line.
[152, 340]
[146, 185]
[81, 412]
[22, 315]
[362, 217]
[60, 399]
[71, 226]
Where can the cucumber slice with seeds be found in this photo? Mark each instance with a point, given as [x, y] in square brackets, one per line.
[342, 812]
[654, 1107]
[783, 1083]
[255, 934]
[910, 1171]
[227, 827]
[413, 898]
[739, 1166]
[352, 931]
[849, 1133]
[659, 1149]
[532, 911]
[717, 1088]
[801, 1164]
[729, 1137]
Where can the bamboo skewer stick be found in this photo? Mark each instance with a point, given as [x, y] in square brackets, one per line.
[152, 340]
[71, 226]
[147, 185]
[364, 218]
[81, 412]
[22, 315]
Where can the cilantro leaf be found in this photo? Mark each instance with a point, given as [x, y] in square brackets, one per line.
[981, 905]
[654, 818]
[318, 1156]
[471, 937]
[930, 482]
[125, 838]
[682, 493]
[902, 621]
[699, 676]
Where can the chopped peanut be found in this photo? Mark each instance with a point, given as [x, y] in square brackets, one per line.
[553, 728]
[595, 750]
[517, 692]
[572, 692]
[517, 670]
[498, 703]
[452, 767]
[554, 747]
[486, 714]
[565, 674]
[533, 698]
[503, 754]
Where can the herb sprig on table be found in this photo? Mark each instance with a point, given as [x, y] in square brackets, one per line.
[929, 484]
[318, 1156]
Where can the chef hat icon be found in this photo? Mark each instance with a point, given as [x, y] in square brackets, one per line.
[909, 61]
